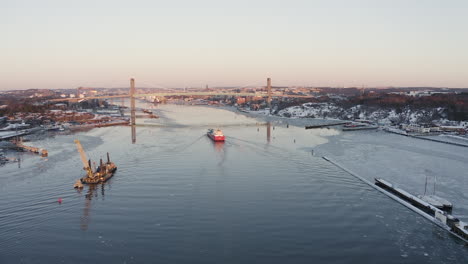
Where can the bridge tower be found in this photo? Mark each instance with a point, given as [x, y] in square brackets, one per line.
[78, 91]
[132, 100]
[269, 93]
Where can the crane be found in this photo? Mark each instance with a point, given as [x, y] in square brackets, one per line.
[84, 159]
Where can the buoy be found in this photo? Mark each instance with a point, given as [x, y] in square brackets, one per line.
[59, 200]
[294, 141]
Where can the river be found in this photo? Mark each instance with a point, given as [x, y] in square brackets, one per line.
[264, 196]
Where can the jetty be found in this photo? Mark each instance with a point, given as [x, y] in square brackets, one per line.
[107, 124]
[327, 125]
[12, 134]
[42, 152]
[359, 128]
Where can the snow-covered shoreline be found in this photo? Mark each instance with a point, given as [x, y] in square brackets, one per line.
[382, 116]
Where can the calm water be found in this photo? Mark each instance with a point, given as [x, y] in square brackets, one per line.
[179, 198]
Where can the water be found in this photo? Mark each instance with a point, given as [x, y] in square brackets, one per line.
[177, 197]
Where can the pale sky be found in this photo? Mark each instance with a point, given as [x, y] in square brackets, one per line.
[190, 43]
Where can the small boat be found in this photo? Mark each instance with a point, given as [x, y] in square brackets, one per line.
[216, 135]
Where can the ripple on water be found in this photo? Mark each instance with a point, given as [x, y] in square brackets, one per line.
[177, 197]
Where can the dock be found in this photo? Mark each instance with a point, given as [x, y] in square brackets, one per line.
[12, 134]
[359, 128]
[403, 133]
[147, 116]
[326, 125]
[42, 152]
[439, 141]
[107, 124]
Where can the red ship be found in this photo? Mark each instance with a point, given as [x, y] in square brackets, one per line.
[216, 135]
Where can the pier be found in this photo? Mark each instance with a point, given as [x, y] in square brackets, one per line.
[42, 152]
[327, 125]
[425, 138]
[12, 134]
[359, 128]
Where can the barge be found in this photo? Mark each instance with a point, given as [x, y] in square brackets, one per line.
[101, 174]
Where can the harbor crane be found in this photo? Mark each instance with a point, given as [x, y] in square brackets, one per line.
[84, 159]
[104, 172]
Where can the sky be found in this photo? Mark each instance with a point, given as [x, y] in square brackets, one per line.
[186, 43]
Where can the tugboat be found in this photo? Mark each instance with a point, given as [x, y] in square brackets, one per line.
[216, 135]
[101, 174]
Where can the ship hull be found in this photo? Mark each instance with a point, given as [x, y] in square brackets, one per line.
[216, 138]
[101, 179]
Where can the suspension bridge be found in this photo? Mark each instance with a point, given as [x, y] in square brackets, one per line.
[132, 94]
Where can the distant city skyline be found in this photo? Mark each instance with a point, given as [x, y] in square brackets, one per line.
[53, 44]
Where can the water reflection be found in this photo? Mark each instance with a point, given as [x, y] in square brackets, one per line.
[218, 146]
[265, 200]
[92, 192]
[268, 132]
[133, 134]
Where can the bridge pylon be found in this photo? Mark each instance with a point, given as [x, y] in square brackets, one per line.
[269, 93]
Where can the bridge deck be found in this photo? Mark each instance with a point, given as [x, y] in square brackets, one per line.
[180, 94]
